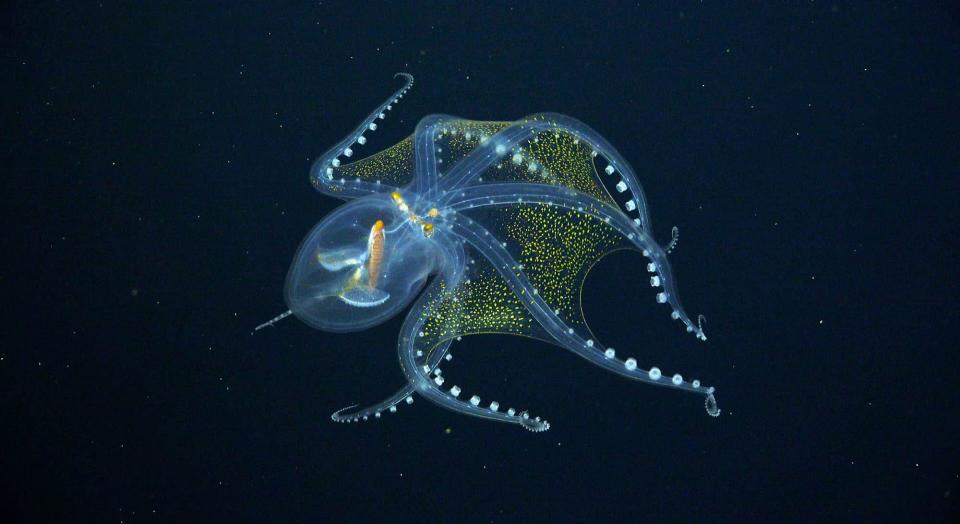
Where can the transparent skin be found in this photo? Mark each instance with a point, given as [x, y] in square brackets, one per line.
[341, 280]
[504, 220]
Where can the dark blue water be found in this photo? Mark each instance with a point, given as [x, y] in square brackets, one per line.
[155, 172]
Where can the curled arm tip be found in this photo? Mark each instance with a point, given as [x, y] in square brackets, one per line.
[536, 425]
[711, 405]
[336, 414]
[674, 238]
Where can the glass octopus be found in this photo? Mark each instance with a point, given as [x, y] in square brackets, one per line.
[507, 217]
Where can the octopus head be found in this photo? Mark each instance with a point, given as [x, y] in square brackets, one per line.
[359, 266]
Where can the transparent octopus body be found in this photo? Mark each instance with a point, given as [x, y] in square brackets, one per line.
[487, 227]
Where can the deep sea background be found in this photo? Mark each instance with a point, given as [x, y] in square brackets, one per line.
[155, 162]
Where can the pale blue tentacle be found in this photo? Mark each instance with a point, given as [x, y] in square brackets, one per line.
[506, 140]
[418, 372]
[566, 336]
[390, 404]
[451, 398]
[658, 265]
[323, 172]
[426, 172]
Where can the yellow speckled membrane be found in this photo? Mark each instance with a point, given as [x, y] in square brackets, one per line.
[482, 303]
[554, 247]
[393, 166]
[552, 157]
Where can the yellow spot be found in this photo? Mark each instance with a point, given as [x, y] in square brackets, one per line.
[433, 212]
[396, 196]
